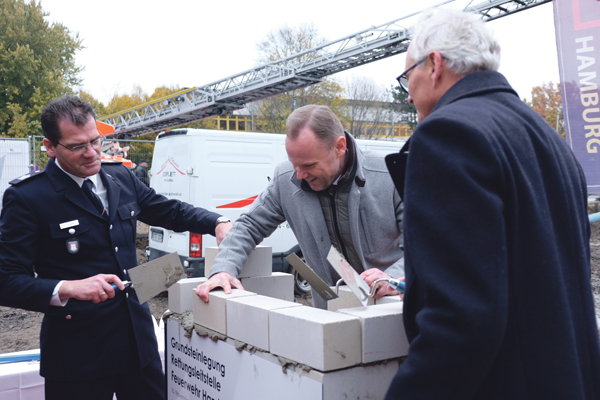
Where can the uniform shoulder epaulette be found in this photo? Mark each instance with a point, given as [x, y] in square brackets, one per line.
[111, 162]
[26, 177]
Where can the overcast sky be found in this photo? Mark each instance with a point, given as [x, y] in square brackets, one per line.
[191, 43]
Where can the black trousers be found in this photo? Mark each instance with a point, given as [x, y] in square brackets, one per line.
[146, 383]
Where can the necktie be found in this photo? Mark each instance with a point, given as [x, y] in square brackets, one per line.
[87, 189]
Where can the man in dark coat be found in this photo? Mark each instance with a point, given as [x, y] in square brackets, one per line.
[498, 301]
[141, 172]
[63, 243]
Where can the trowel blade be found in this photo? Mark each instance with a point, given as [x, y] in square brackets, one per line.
[156, 276]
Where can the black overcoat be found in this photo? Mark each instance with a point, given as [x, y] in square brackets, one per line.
[498, 298]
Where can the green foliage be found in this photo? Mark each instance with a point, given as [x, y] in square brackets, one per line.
[99, 107]
[407, 111]
[37, 64]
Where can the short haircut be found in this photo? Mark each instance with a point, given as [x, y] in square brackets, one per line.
[66, 108]
[320, 119]
[461, 38]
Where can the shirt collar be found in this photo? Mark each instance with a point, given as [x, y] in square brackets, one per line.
[78, 180]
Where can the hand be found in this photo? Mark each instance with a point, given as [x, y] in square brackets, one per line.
[222, 279]
[383, 289]
[96, 288]
[221, 231]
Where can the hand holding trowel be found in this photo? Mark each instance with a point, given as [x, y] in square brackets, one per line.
[154, 277]
[356, 284]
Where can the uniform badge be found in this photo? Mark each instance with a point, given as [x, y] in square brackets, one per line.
[72, 245]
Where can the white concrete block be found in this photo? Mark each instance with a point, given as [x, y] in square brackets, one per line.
[279, 285]
[248, 318]
[213, 315]
[259, 263]
[181, 294]
[360, 382]
[346, 299]
[383, 333]
[320, 339]
[209, 258]
[389, 300]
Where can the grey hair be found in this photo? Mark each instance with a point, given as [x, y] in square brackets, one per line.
[461, 38]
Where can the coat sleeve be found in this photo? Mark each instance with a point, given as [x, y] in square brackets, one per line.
[455, 241]
[18, 246]
[171, 214]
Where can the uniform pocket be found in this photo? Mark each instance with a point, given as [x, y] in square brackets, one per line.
[128, 215]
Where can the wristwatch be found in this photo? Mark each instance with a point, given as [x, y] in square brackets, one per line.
[221, 219]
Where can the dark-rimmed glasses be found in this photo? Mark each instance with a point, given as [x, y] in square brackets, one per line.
[403, 79]
[82, 148]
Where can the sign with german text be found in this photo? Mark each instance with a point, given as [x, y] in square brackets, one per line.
[577, 36]
[199, 368]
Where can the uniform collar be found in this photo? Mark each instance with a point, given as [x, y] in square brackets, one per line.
[95, 179]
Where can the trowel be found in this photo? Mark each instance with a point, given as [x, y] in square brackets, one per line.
[154, 277]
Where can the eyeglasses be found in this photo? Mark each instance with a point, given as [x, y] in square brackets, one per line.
[403, 79]
[82, 148]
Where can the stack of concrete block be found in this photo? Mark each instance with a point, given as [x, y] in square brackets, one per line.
[382, 331]
[213, 315]
[250, 318]
[256, 274]
[353, 351]
[320, 339]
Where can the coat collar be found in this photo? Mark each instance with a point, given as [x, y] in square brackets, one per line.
[475, 84]
[73, 193]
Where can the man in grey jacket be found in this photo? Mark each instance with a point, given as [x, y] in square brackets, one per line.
[331, 193]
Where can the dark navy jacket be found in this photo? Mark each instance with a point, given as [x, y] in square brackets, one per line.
[94, 341]
[498, 298]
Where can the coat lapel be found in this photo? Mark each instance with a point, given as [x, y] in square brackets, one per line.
[114, 193]
[396, 164]
[72, 192]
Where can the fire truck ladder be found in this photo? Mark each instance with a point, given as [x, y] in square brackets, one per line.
[294, 72]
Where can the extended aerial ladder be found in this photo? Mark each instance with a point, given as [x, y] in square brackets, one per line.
[294, 72]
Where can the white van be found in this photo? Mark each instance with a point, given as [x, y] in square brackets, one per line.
[222, 171]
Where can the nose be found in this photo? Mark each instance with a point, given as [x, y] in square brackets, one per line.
[410, 100]
[90, 151]
[300, 174]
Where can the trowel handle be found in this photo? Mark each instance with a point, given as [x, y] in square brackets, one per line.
[397, 284]
[114, 285]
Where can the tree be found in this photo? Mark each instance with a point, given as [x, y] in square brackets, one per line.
[281, 43]
[98, 106]
[407, 112]
[367, 108]
[37, 64]
[546, 100]
[122, 102]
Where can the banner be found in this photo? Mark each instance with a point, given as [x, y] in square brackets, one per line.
[577, 24]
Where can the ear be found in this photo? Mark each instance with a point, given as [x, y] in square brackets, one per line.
[340, 146]
[50, 149]
[437, 67]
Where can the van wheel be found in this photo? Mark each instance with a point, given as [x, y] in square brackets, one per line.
[301, 285]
